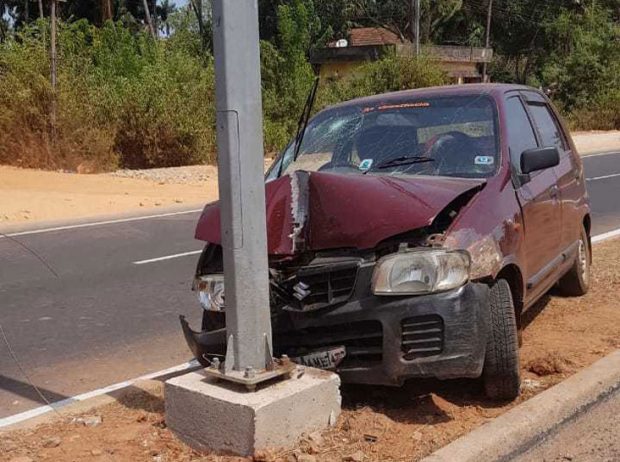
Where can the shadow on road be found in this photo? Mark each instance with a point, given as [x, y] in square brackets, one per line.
[27, 391]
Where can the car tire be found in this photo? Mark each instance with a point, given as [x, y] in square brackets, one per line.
[213, 320]
[576, 282]
[501, 365]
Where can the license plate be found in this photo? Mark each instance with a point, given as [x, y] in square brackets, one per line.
[328, 358]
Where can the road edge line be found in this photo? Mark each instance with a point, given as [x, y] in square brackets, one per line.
[90, 224]
[38, 411]
[526, 425]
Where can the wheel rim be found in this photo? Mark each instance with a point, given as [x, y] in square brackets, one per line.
[583, 262]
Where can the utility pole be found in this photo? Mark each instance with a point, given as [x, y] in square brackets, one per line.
[242, 189]
[147, 15]
[41, 15]
[415, 25]
[53, 68]
[485, 77]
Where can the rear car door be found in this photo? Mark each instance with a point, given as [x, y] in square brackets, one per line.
[538, 197]
[568, 172]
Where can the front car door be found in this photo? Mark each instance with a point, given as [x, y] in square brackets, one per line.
[539, 200]
[569, 172]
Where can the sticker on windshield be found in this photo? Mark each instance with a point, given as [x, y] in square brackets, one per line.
[365, 165]
[484, 160]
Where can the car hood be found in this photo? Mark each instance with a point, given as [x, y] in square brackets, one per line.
[320, 210]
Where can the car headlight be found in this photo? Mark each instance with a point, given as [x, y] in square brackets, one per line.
[210, 290]
[420, 272]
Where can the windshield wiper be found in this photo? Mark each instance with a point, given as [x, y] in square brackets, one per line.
[398, 161]
[302, 125]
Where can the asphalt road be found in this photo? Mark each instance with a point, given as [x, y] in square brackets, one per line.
[105, 319]
[591, 437]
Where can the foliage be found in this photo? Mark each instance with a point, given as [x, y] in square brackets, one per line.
[392, 73]
[123, 100]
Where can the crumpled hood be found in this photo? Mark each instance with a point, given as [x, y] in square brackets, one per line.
[320, 210]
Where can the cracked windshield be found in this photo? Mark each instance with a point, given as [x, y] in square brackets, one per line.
[454, 136]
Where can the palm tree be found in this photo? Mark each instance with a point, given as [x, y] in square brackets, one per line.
[164, 10]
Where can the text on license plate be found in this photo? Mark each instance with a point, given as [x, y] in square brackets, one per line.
[324, 359]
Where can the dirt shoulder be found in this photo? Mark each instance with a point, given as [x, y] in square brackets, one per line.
[35, 195]
[563, 335]
[594, 142]
[28, 196]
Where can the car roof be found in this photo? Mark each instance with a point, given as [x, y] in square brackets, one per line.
[492, 89]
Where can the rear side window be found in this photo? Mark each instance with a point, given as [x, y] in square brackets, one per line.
[550, 133]
[521, 135]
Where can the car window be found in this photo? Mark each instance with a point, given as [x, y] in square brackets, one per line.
[550, 133]
[521, 136]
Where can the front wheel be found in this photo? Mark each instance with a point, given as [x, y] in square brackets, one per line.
[501, 365]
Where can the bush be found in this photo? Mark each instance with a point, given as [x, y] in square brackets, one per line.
[122, 100]
[392, 73]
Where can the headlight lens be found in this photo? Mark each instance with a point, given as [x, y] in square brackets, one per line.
[210, 290]
[420, 272]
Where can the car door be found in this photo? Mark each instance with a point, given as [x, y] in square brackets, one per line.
[538, 197]
[568, 172]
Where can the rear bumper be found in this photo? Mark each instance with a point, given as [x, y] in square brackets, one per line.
[390, 339]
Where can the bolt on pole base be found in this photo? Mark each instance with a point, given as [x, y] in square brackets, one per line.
[251, 377]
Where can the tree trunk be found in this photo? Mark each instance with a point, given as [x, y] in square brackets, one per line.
[107, 10]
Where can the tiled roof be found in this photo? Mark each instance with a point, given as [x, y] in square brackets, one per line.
[370, 36]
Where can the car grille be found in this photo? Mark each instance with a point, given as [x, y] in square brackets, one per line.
[363, 341]
[315, 287]
[422, 336]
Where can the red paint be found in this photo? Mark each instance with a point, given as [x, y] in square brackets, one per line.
[354, 211]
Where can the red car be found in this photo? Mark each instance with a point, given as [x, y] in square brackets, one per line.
[408, 232]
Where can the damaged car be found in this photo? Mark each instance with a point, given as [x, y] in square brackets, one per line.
[408, 232]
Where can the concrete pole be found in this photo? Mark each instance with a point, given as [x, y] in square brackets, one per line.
[53, 70]
[485, 77]
[241, 184]
[417, 27]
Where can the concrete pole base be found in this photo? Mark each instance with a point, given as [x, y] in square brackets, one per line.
[214, 415]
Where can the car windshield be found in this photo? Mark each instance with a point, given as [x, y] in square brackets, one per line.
[444, 136]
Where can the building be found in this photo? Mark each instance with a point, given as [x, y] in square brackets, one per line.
[342, 57]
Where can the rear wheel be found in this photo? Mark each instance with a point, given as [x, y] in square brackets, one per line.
[501, 365]
[577, 281]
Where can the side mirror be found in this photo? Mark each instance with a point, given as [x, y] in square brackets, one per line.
[537, 159]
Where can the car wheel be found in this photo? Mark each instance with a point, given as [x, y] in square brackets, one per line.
[501, 364]
[213, 320]
[577, 281]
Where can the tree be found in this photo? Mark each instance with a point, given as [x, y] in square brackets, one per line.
[164, 11]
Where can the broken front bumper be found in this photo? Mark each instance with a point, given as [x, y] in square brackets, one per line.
[388, 340]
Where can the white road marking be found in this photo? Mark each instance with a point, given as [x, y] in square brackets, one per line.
[167, 257]
[6, 421]
[603, 177]
[17, 418]
[606, 236]
[600, 154]
[99, 223]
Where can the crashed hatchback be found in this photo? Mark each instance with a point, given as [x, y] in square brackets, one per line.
[408, 232]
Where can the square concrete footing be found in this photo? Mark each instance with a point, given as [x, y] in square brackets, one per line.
[208, 414]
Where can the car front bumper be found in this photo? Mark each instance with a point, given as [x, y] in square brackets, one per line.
[388, 339]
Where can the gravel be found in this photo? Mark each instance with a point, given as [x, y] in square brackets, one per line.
[178, 175]
[191, 174]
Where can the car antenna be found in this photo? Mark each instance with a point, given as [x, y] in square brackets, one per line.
[303, 123]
